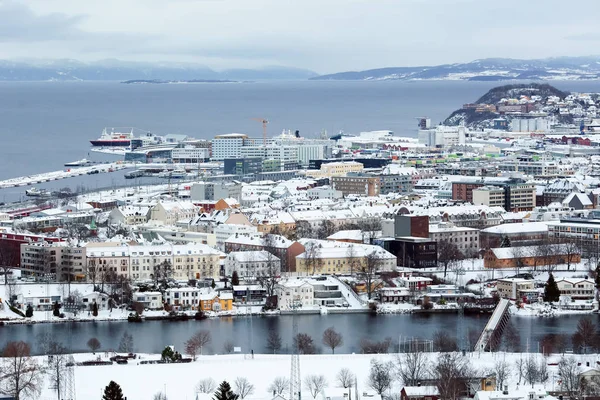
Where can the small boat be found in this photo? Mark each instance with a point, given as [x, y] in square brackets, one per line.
[134, 174]
[33, 192]
[79, 163]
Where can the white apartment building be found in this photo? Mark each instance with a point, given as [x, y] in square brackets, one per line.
[190, 261]
[443, 136]
[250, 264]
[225, 231]
[190, 155]
[492, 196]
[129, 215]
[228, 146]
[285, 153]
[329, 170]
[294, 293]
[577, 288]
[150, 300]
[466, 239]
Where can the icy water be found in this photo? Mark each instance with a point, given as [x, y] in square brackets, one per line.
[45, 124]
[250, 333]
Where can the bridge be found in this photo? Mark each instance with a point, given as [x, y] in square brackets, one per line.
[492, 333]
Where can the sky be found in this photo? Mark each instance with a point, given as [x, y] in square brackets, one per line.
[322, 35]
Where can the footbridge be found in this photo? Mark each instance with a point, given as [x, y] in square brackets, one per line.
[491, 335]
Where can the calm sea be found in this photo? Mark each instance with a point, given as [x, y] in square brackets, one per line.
[45, 124]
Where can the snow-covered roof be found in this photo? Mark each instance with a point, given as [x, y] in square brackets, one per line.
[250, 256]
[583, 199]
[421, 390]
[519, 227]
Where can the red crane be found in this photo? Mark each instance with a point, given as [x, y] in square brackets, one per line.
[264, 122]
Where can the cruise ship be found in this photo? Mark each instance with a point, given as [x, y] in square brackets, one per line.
[114, 137]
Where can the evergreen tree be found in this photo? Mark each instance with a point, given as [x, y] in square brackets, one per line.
[235, 279]
[224, 392]
[95, 309]
[505, 242]
[113, 392]
[56, 311]
[29, 311]
[598, 276]
[213, 284]
[551, 292]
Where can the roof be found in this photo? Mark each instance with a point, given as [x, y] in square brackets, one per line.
[251, 256]
[421, 390]
[508, 253]
[519, 227]
[583, 199]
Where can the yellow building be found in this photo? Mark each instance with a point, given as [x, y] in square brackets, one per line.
[212, 302]
[329, 170]
[343, 259]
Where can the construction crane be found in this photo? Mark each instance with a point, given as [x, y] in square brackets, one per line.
[264, 122]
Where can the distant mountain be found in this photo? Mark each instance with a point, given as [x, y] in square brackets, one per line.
[489, 69]
[116, 70]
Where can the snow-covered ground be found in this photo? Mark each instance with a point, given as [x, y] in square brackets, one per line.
[141, 382]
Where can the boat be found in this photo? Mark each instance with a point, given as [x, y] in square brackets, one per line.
[134, 174]
[175, 174]
[33, 192]
[79, 163]
[111, 137]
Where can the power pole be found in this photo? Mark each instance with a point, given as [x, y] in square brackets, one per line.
[295, 381]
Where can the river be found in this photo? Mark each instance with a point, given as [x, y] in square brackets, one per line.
[250, 333]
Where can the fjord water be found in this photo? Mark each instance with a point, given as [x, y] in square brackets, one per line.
[45, 124]
[250, 333]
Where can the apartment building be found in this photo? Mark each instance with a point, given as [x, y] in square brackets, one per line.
[252, 264]
[190, 155]
[139, 263]
[514, 288]
[358, 185]
[512, 196]
[344, 259]
[228, 146]
[58, 261]
[466, 239]
[169, 212]
[577, 288]
[335, 169]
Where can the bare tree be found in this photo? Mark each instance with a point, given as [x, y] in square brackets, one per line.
[228, 346]
[503, 373]
[312, 257]
[206, 385]
[159, 396]
[368, 346]
[352, 259]
[448, 254]
[197, 342]
[520, 368]
[531, 373]
[380, 376]
[93, 344]
[369, 268]
[162, 273]
[269, 275]
[243, 387]
[369, 228]
[21, 374]
[57, 366]
[303, 342]
[571, 249]
[273, 341]
[412, 368]
[332, 338]
[443, 342]
[585, 338]
[315, 384]
[450, 373]
[9, 258]
[345, 378]
[279, 385]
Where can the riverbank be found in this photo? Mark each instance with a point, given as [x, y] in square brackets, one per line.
[141, 379]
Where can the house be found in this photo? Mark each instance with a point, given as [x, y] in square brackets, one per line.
[343, 258]
[419, 393]
[101, 299]
[515, 288]
[393, 295]
[294, 293]
[214, 302]
[150, 300]
[529, 256]
[252, 263]
[578, 201]
[169, 212]
[577, 288]
[249, 294]
[129, 215]
[414, 283]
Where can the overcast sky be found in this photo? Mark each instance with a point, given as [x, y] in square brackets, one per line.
[322, 35]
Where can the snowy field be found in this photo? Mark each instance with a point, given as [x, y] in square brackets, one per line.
[141, 382]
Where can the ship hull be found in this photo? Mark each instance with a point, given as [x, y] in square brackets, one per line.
[110, 143]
